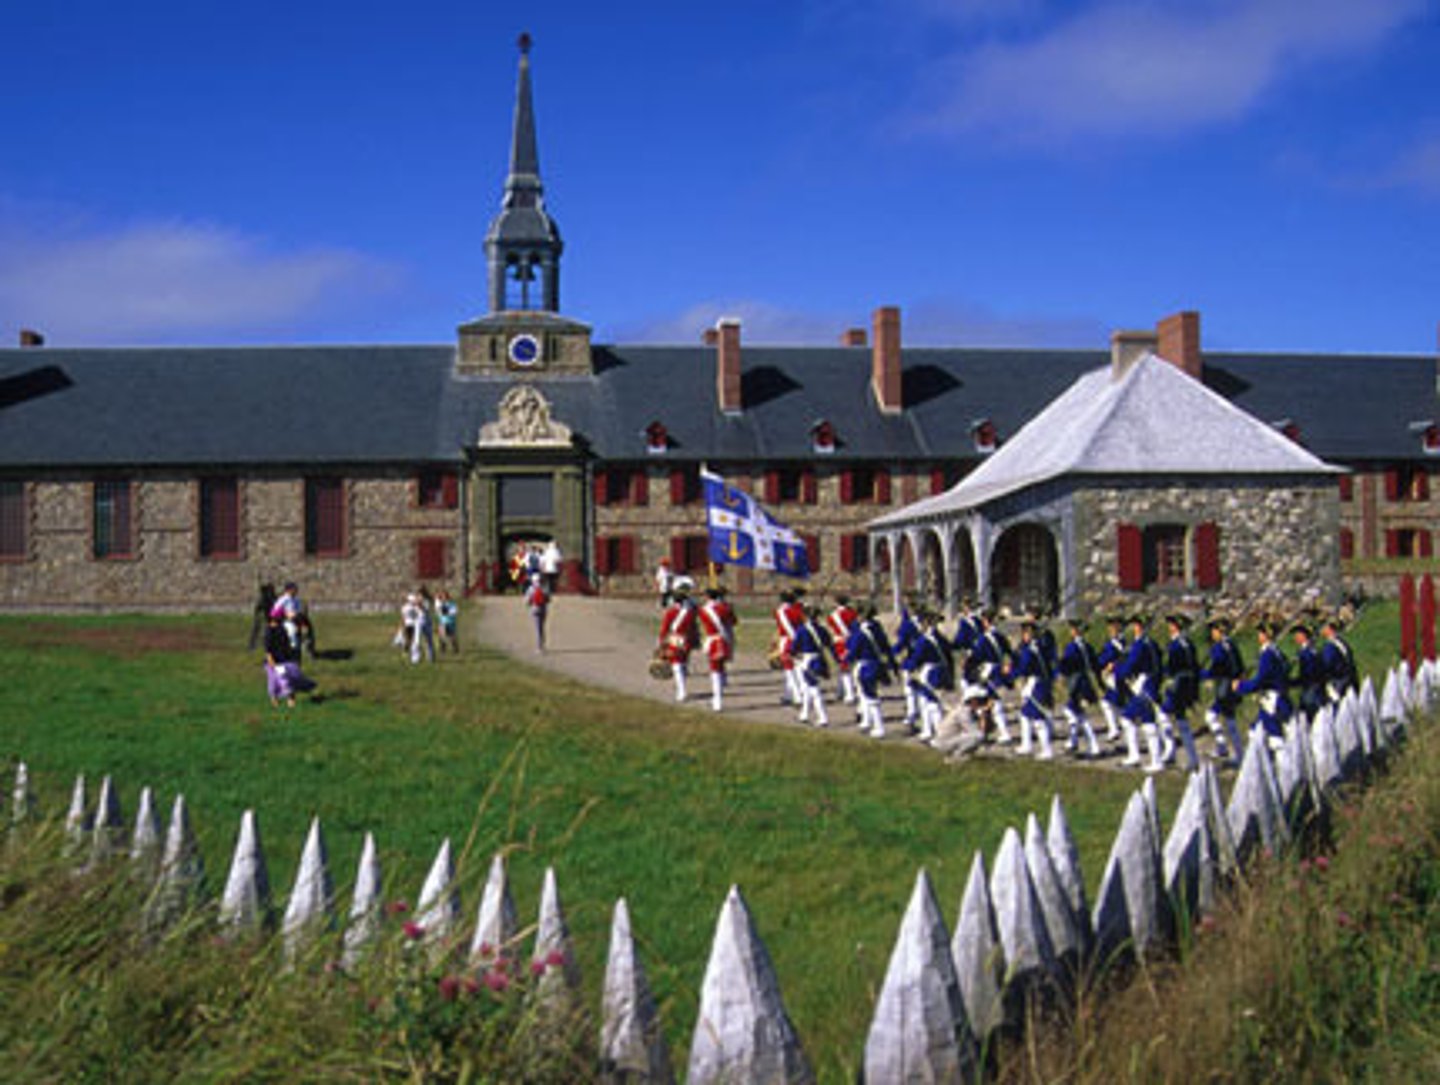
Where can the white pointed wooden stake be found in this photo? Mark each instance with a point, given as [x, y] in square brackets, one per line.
[919, 1031]
[311, 908]
[1054, 904]
[438, 913]
[1227, 857]
[1132, 905]
[108, 836]
[497, 922]
[1029, 953]
[554, 951]
[632, 1042]
[181, 880]
[1191, 867]
[362, 928]
[742, 1032]
[1066, 857]
[1257, 820]
[245, 903]
[145, 840]
[22, 800]
[978, 955]
[77, 817]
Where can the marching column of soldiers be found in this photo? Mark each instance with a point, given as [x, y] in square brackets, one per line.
[1146, 693]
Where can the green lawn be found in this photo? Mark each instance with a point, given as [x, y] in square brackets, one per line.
[622, 797]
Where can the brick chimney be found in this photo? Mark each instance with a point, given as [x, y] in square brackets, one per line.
[31, 338]
[1128, 347]
[885, 360]
[854, 337]
[710, 337]
[727, 365]
[1179, 336]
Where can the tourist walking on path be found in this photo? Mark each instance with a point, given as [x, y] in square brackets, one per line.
[283, 677]
[538, 600]
[447, 617]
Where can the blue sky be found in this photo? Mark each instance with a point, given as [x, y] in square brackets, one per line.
[1017, 172]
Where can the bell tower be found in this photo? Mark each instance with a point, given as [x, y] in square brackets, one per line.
[523, 246]
[524, 333]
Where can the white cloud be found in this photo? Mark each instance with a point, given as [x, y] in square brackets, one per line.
[1128, 67]
[929, 322]
[169, 281]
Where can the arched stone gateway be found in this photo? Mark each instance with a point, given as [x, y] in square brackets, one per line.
[1025, 569]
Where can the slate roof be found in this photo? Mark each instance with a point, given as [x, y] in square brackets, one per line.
[403, 404]
[1152, 420]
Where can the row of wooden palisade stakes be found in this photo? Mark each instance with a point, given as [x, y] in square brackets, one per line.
[1024, 926]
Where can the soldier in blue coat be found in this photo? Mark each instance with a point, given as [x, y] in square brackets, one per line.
[906, 633]
[1225, 669]
[1182, 687]
[809, 646]
[985, 672]
[928, 671]
[870, 662]
[967, 628]
[1036, 680]
[1112, 698]
[1309, 677]
[1138, 675]
[1337, 660]
[1080, 666]
[1268, 684]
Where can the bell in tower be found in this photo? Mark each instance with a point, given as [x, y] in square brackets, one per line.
[522, 247]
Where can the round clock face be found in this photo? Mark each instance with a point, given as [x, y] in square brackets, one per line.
[524, 350]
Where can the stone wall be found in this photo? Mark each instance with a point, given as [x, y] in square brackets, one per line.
[654, 524]
[1279, 550]
[166, 569]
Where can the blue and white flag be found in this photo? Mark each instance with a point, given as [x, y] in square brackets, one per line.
[743, 533]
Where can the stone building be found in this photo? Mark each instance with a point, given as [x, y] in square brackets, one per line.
[181, 477]
[1136, 487]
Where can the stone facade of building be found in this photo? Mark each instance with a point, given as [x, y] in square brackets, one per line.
[1278, 544]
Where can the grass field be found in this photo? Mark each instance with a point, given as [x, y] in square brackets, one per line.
[622, 797]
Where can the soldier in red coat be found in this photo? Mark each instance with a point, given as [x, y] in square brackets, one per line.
[678, 633]
[840, 623]
[717, 622]
[789, 617]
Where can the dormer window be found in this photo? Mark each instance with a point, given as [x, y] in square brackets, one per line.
[1288, 428]
[985, 435]
[1429, 433]
[657, 438]
[822, 437]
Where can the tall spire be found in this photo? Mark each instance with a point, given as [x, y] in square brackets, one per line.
[523, 244]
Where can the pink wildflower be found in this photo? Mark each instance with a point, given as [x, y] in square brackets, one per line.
[537, 968]
[397, 907]
[449, 988]
[413, 931]
[1322, 863]
[471, 985]
[1344, 919]
[496, 981]
[555, 959]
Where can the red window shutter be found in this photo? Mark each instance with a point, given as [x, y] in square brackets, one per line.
[450, 490]
[677, 486]
[1347, 487]
[429, 558]
[1392, 484]
[809, 493]
[626, 557]
[772, 487]
[847, 553]
[812, 551]
[1347, 544]
[602, 555]
[1426, 543]
[602, 486]
[937, 480]
[1129, 558]
[847, 487]
[639, 488]
[677, 555]
[882, 486]
[1207, 556]
[1422, 485]
[1392, 543]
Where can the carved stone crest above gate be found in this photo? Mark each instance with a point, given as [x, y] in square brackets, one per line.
[524, 419]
